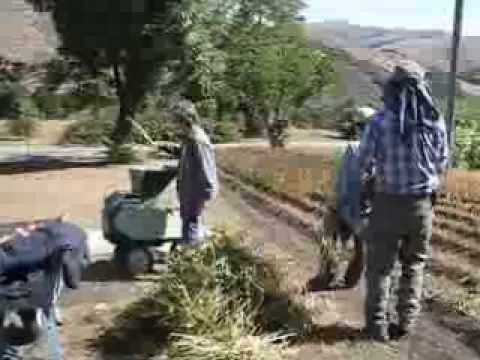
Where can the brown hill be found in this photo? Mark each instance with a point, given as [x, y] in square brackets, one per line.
[25, 35]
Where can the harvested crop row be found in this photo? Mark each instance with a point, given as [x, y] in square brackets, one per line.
[455, 268]
[449, 242]
[451, 296]
[471, 234]
[463, 217]
[466, 206]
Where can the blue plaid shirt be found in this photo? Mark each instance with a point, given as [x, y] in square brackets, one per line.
[409, 164]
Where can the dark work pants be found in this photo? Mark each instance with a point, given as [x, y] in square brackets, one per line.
[401, 229]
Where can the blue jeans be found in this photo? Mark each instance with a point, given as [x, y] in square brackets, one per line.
[9, 352]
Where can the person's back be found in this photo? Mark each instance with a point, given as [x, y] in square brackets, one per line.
[410, 163]
[405, 145]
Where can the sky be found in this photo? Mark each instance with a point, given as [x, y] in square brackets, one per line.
[413, 14]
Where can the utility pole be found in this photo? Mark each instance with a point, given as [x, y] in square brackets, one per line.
[456, 40]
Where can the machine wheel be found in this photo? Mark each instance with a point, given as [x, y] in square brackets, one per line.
[138, 261]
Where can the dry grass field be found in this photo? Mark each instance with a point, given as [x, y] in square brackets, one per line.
[454, 278]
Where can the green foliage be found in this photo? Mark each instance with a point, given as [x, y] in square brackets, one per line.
[132, 39]
[310, 115]
[274, 71]
[10, 94]
[251, 57]
[246, 56]
[26, 122]
[57, 106]
[226, 132]
[68, 87]
[468, 132]
[22, 127]
[158, 125]
[93, 130]
[347, 119]
[121, 154]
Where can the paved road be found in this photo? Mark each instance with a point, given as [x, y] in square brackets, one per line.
[13, 152]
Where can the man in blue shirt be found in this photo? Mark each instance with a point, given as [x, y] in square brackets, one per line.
[405, 145]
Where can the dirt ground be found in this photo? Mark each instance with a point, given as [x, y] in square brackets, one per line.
[80, 192]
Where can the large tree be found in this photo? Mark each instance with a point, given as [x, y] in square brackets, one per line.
[232, 39]
[130, 39]
[274, 71]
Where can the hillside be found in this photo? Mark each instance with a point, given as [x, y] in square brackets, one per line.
[430, 48]
[373, 47]
[25, 35]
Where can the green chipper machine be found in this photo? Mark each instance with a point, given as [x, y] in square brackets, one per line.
[142, 222]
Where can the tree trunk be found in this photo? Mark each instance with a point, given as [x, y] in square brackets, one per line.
[276, 129]
[219, 110]
[123, 126]
[253, 127]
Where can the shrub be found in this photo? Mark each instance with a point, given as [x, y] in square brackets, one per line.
[26, 124]
[161, 127]
[468, 148]
[87, 132]
[468, 133]
[226, 132]
[25, 127]
[121, 154]
[93, 130]
[158, 125]
[10, 94]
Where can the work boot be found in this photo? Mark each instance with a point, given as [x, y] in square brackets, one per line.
[57, 315]
[399, 332]
[377, 333]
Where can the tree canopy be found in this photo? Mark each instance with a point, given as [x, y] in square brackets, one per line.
[130, 38]
[248, 56]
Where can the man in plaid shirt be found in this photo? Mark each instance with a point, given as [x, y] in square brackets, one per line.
[405, 145]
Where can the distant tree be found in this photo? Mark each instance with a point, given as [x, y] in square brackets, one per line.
[131, 39]
[274, 72]
[218, 32]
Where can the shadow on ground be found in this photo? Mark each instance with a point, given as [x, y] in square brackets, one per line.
[142, 330]
[105, 271]
[467, 328]
[336, 333]
[136, 333]
[15, 165]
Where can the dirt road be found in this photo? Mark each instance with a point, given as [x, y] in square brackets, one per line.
[81, 192]
[342, 316]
